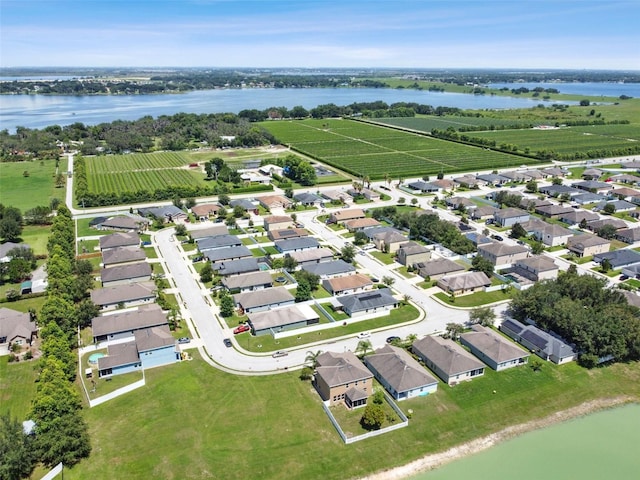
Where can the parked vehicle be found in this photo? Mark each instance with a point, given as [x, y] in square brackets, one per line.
[279, 353]
[364, 334]
[497, 237]
[241, 328]
[392, 339]
[227, 342]
[184, 340]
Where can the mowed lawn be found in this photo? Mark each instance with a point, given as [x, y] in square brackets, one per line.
[193, 421]
[37, 189]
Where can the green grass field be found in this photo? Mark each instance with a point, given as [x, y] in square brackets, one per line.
[366, 149]
[34, 190]
[272, 427]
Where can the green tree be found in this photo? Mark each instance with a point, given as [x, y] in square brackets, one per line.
[531, 186]
[289, 263]
[86, 310]
[517, 231]
[65, 439]
[481, 264]
[388, 281]
[181, 230]
[206, 274]
[312, 358]
[609, 209]
[537, 247]
[607, 231]
[227, 305]
[453, 330]
[373, 417]
[348, 253]
[485, 316]
[363, 348]
[303, 291]
[311, 278]
[17, 455]
[360, 238]
[10, 229]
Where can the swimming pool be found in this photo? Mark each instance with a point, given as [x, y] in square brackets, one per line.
[93, 358]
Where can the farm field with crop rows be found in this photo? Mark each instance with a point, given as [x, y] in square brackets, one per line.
[366, 149]
[428, 123]
[136, 161]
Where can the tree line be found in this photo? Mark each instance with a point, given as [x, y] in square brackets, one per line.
[581, 309]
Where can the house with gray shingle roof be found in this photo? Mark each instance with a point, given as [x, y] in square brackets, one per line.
[227, 254]
[400, 375]
[248, 282]
[329, 269]
[437, 268]
[494, 350]
[501, 254]
[260, 300]
[296, 244]
[122, 256]
[125, 274]
[307, 199]
[343, 378]
[536, 268]
[628, 235]
[447, 359]
[545, 345]
[389, 241]
[376, 302]
[463, 283]
[552, 234]
[586, 245]
[128, 295]
[618, 258]
[123, 324]
[411, 253]
[277, 320]
[508, 217]
[118, 240]
[16, 328]
[576, 216]
[218, 241]
[237, 267]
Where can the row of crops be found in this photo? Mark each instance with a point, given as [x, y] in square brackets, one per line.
[365, 149]
[149, 180]
[135, 161]
[426, 124]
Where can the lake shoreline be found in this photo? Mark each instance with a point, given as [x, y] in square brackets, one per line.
[435, 460]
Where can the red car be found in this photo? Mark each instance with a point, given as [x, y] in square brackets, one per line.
[241, 328]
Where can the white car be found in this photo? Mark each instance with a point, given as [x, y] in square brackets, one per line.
[364, 334]
[280, 353]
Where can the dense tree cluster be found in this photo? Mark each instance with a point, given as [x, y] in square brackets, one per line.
[598, 320]
[427, 226]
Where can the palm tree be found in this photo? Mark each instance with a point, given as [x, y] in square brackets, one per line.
[387, 179]
[412, 337]
[364, 346]
[312, 358]
[367, 180]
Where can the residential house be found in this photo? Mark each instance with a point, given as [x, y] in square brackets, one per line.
[459, 202]
[275, 201]
[618, 258]
[278, 222]
[308, 199]
[438, 268]
[336, 196]
[312, 256]
[555, 172]
[227, 254]
[377, 302]
[596, 225]
[464, 283]
[484, 212]
[121, 358]
[209, 231]
[552, 210]
[586, 197]
[260, 300]
[389, 241]
[618, 206]
[424, 187]
[591, 174]
[271, 170]
[586, 245]
[468, 181]
[287, 233]
[552, 235]
[502, 255]
[493, 179]
[119, 325]
[493, 349]
[237, 267]
[125, 274]
[593, 186]
[132, 223]
[248, 282]
[119, 240]
[370, 195]
[16, 328]
[205, 211]
[576, 216]
[247, 205]
[559, 190]
[296, 244]
[358, 224]
[411, 253]
[508, 217]
[167, 213]
[125, 296]
[444, 184]
[448, 360]
[341, 216]
[629, 235]
[477, 238]
[532, 203]
[625, 178]
[122, 256]
[536, 268]
[278, 320]
[514, 176]
[219, 241]
[7, 247]
[347, 285]
[545, 345]
[343, 378]
[400, 375]
[624, 193]
[329, 269]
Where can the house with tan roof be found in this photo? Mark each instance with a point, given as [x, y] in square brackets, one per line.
[205, 211]
[127, 296]
[275, 201]
[124, 223]
[260, 300]
[587, 245]
[508, 217]
[216, 230]
[312, 256]
[286, 233]
[125, 274]
[502, 255]
[278, 320]
[16, 328]
[447, 359]
[537, 268]
[438, 268]
[552, 234]
[400, 374]
[248, 282]
[343, 378]
[119, 240]
[493, 349]
[361, 223]
[410, 253]
[122, 256]
[389, 241]
[464, 283]
[277, 222]
[341, 216]
[347, 285]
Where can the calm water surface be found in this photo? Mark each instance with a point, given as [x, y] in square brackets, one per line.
[601, 446]
[38, 111]
[610, 89]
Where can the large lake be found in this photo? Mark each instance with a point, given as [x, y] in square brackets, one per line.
[38, 111]
[604, 445]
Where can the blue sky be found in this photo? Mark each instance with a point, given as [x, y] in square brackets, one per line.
[312, 34]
